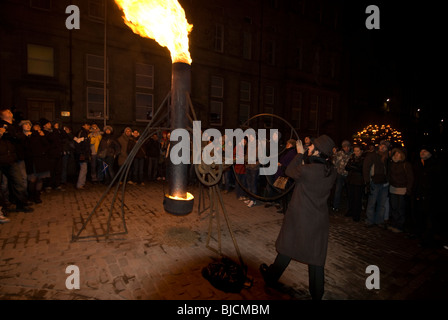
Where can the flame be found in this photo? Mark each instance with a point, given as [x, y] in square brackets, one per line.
[161, 20]
[189, 197]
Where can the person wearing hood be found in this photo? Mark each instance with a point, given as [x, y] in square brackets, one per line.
[305, 229]
[123, 141]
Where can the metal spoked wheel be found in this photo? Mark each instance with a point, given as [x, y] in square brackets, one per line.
[293, 134]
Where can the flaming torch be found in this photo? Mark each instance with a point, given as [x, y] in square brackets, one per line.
[165, 22]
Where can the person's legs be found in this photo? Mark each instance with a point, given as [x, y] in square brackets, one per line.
[272, 273]
[316, 279]
[371, 204]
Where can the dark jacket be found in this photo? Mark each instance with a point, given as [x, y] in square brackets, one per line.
[304, 232]
[354, 169]
[141, 154]
[55, 139]
[8, 142]
[36, 156]
[109, 147]
[400, 175]
[427, 179]
[153, 148]
[82, 148]
[380, 168]
[285, 160]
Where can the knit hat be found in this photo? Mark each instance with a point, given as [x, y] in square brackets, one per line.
[108, 127]
[43, 122]
[324, 144]
[345, 143]
[386, 143]
[25, 121]
[428, 147]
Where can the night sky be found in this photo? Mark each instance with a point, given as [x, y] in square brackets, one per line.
[407, 55]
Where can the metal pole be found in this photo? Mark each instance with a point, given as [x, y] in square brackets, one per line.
[105, 65]
[180, 86]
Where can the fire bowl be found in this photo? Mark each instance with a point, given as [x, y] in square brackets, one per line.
[178, 206]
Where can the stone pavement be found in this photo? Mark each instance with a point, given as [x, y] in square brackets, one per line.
[161, 256]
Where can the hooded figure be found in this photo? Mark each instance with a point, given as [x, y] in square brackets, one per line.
[305, 229]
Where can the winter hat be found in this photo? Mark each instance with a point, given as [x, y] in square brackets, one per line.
[25, 121]
[427, 147]
[386, 143]
[324, 144]
[43, 122]
[345, 143]
[108, 127]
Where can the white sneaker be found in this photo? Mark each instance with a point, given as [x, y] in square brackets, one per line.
[251, 204]
[247, 201]
[3, 219]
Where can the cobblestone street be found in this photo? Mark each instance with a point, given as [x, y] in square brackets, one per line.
[161, 256]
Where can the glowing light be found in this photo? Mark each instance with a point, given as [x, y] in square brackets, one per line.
[161, 20]
[175, 197]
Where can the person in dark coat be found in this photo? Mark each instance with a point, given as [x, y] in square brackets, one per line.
[37, 162]
[283, 163]
[401, 178]
[153, 152]
[355, 182]
[305, 229]
[9, 161]
[55, 152]
[82, 153]
[139, 159]
[426, 195]
[108, 150]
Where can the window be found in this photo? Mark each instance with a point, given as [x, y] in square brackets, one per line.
[269, 95]
[247, 45]
[216, 103]
[40, 4]
[96, 9]
[296, 109]
[216, 113]
[219, 38]
[217, 87]
[144, 76]
[245, 91]
[143, 106]
[95, 68]
[95, 103]
[314, 111]
[40, 60]
[243, 113]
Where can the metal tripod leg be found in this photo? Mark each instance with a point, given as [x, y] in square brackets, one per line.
[216, 201]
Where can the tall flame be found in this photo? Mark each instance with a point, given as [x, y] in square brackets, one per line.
[161, 20]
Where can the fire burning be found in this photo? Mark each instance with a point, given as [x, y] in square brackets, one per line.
[161, 20]
[189, 196]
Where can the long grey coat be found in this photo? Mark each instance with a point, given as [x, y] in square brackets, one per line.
[304, 233]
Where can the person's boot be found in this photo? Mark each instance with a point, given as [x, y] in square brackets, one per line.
[31, 190]
[36, 198]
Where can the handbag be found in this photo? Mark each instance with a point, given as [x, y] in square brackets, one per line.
[281, 182]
